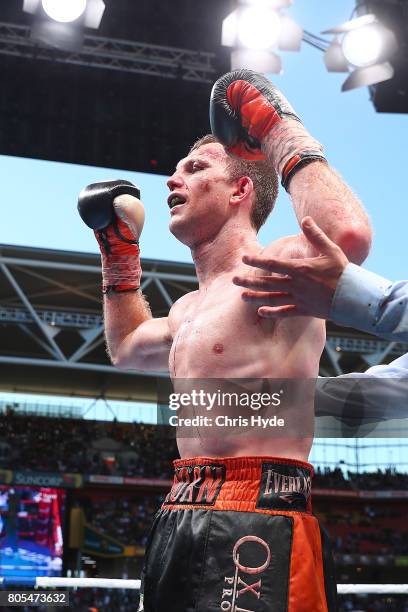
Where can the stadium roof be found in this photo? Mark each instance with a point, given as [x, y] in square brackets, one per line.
[51, 322]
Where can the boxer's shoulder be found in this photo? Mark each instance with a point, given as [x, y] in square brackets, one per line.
[286, 247]
[179, 309]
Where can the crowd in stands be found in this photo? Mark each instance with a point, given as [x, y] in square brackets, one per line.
[129, 449]
[105, 600]
[371, 530]
[88, 447]
[381, 479]
[373, 603]
[374, 529]
[134, 449]
[385, 542]
[127, 519]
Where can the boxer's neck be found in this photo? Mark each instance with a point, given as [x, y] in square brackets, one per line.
[223, 253]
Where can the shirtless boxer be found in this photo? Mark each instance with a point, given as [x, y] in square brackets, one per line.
[233, 534]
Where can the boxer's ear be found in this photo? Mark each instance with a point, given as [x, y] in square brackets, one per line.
[243, 188]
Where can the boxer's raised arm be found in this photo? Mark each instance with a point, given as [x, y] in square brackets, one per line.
[134, 339]
[318, 191]
[254, 120]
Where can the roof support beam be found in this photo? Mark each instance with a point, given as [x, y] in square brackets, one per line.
[42, 326]
[114, 54]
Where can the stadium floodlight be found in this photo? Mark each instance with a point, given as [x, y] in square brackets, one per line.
[31, 6]
[64, 11]
[274, 4]
[291, 34]
[334, 57]
[254, 29]
[353, 24]
[364, 77]
[94, 13]
[61, 23]
[258, 27]
[364, 46]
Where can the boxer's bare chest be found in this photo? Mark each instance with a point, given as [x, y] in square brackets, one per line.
[217, 334]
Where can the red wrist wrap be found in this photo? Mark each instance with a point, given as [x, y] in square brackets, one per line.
[121, 270]
[291, 146]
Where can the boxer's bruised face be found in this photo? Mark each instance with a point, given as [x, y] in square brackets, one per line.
[200, 195]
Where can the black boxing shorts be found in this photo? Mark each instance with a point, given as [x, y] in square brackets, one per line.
[238, 535]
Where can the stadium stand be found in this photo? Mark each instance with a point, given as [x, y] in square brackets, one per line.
[125, 469]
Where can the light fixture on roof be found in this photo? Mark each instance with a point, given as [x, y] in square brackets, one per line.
[64, 12]
[255, 29]
[61, 23]
[258, 27]
[364, 46]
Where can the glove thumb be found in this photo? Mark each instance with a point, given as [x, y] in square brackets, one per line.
[130, 210]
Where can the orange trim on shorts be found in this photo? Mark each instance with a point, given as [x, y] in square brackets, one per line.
[241, 483]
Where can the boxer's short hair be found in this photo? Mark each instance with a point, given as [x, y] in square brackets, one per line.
[262, 174]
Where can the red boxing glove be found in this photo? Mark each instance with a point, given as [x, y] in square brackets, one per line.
[258, 117]
[244, 108]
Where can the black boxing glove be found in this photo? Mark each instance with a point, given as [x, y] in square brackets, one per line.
[244, 109]
[113, 210]
[95, 202]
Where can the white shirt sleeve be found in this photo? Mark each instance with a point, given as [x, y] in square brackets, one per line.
[380, 393]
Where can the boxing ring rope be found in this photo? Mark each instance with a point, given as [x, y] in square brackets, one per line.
[81, 583]
[116, 583]
[372, 589]
[102, 583]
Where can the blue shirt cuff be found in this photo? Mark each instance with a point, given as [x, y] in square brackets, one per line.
[357, 298]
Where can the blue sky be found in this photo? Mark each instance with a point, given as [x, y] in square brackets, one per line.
[368, 149]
